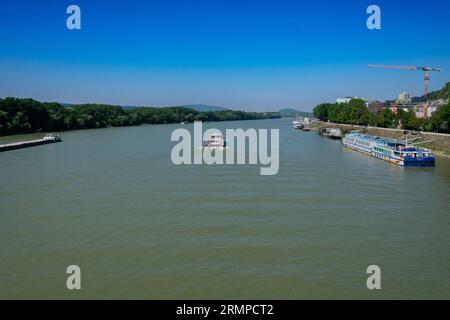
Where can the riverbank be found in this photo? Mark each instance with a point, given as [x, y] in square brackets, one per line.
[438, 142]
[19, 116]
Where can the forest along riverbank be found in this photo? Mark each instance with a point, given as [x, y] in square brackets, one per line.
[19, 116]
[438, 142]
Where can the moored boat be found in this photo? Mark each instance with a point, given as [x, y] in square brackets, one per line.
[333, 133]
[389, 150]
[301, 123]
[53, 137]
[48, 138]
[297, 124]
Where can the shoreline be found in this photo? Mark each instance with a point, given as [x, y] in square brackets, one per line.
[10, 138]
[439, 143]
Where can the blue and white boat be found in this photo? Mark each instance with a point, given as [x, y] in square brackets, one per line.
[389, 150]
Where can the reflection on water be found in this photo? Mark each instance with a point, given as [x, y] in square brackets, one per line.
[112, 202]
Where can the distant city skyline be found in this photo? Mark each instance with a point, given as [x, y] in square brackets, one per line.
[249, 55]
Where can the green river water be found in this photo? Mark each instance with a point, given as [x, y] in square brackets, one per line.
[111, 201]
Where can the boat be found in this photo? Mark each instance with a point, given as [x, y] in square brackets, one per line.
[389, 150]
[54, 137]
[48, 138]
[333, 133]
[215, 141]
[297, 124]
[301, 122]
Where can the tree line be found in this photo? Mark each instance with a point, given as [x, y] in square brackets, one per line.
[28, 115]
[355, 112]
[443, 93]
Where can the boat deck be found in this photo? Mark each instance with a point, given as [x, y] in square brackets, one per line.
[26, 144]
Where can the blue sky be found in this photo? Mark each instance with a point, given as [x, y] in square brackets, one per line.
[252, 55]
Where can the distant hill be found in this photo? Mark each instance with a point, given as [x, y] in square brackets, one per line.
[203, 107]
[130, 107]
[443, 93]
[197, 107]
[290, 112]
[77, 104]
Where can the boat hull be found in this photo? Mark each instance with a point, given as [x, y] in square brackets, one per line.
[425, 162]
[27, 144]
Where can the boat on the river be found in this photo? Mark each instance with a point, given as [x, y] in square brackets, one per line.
[389, 150]
[301, 123]
[48, 138]
[298, 124]
[333, 133]
[215, 140]
[54, 137]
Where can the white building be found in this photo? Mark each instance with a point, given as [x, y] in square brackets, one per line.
[345, 100]
[404, 97]
[434, 105]
[420, 112]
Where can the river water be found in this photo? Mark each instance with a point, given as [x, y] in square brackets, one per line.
[112, 202]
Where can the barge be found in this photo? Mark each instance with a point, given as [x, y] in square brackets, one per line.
[48, 138]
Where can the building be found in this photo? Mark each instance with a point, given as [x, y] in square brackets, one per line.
[346, 99]
[439, 102]
[394, 108]
[376, 106]
[430, 110]
[343, 100]
[420, 112]
[404, 103]
[404, 98]
[434, 105]
[393, 105]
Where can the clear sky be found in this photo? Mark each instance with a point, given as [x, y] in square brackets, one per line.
[252, 55]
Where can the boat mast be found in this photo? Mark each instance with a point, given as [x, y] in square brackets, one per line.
[406, 137]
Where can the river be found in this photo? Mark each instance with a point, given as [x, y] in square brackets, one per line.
[112, 202]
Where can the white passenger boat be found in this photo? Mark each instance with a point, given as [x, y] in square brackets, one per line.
[215, 141]
[297, 125]
[392, 151]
